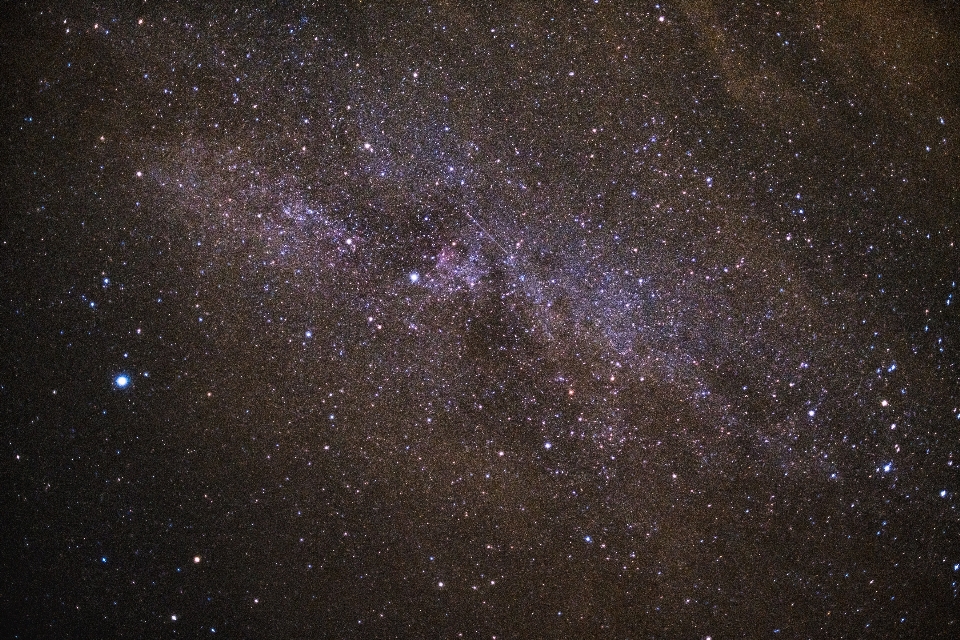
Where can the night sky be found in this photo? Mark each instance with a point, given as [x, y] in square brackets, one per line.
[571, 319]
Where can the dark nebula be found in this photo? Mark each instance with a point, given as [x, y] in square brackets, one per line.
[514, 320]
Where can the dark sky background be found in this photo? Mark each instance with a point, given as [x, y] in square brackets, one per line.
[387, 319]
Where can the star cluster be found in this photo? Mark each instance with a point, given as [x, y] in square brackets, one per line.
[589, 319]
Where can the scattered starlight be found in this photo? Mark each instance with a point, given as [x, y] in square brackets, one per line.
[435, 290]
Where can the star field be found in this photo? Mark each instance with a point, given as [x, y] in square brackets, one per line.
[589, 319]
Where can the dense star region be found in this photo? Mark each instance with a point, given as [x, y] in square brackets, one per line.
[506, 320]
